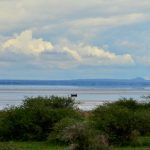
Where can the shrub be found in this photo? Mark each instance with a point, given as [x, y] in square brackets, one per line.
[53, 102]
[114, 121]
[142, 121]
[35, 118]
[120, 119]
[81, 137]
[126, 103]
[57, 133]
[131, 104]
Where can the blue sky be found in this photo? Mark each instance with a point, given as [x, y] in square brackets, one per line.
[68, 39]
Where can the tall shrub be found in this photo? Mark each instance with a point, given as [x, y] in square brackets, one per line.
[35, 118]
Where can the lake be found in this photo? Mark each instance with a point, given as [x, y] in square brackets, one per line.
[89, 97]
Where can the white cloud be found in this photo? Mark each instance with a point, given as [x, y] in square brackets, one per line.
[29, 14]
[59, 54]
[73, 53]
[88, 27]
[97, 56]
[25, 43]
[92, 25]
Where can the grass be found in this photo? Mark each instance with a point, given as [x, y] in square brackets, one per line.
[133, 148]
[47, 146]
[144, 140]
[37, 146]
[143, 144]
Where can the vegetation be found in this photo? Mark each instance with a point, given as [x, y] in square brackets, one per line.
[57, 121]
[81, 137]
[8, 146]
[31, 146]
[35, 118]
[47, 146]
[123, 121]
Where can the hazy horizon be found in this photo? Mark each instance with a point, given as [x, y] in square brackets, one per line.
[40, 79]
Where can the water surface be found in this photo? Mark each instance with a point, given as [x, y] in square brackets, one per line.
[88, 96]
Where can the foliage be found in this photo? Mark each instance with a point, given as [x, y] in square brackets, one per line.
[57, 119]
[8, 146]
[57, 133]
[81, 137]
[30, 145]
[35, 118]
[78, 135]
[131, 104]
[115, 122]
[53, 102]
[120, 119]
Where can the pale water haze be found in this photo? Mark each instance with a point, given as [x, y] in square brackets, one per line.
[89, 97]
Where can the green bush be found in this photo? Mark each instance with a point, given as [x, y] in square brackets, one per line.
[116, 122]
[53, 102]
[120, 119]
[35, 118]
[142, 121]
[131, 104]
[82, 137]
[57, 133]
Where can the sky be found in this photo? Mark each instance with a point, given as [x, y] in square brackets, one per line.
[74, 39]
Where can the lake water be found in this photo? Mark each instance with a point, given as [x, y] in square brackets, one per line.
[89, 97]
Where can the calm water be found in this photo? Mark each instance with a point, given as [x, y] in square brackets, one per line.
[88, 96]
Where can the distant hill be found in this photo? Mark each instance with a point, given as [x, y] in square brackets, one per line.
[137, 82]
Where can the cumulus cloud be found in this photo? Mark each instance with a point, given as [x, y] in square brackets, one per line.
[59, 54]
[25, 43]
[73, 53]
[92, 55]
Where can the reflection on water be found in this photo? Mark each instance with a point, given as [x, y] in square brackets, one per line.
[88, 96]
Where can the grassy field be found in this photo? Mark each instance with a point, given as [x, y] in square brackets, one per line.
[46, 146]
[145, 141]
[36, 146]
[133, 148]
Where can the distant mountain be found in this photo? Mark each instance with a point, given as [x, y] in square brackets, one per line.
[138, 79]
[137, 82]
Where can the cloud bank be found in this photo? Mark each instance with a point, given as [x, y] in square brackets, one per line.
[25, 44]
[55, 36]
